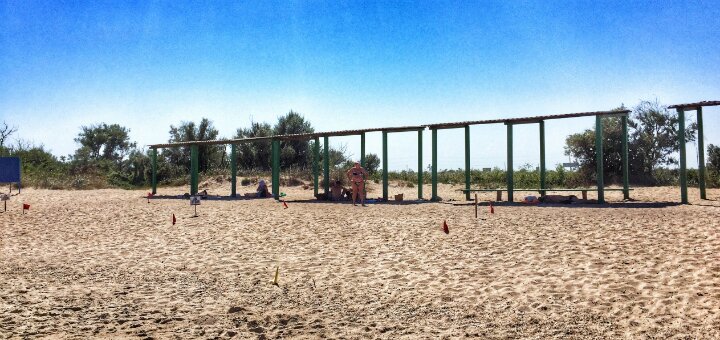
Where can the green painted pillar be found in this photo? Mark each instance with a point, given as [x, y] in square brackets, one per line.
[542, 157]
[276, 168]
[509, 170]
[599, 159]
[683, 169]
[233, 170]
[467, 162]
[316, 164]
[154, 171]
[433, 174]
[193, 169]
[326, 166]
[385, 165]
[362, 149]
[420, 165]
[701, 154]
[625, 159]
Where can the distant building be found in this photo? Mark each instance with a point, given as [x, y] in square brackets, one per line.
[571, 166]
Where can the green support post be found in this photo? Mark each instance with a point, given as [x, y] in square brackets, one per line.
[193, 169]
[701, 154]
[316, 163]
[385, 165]
[433, 174]
[467, 162]
[599, 159]
[233, 170]
[276, 168]
[683, 169]
[420, 165]
[625, 159]
[509, 170]
[542, 157]
[326, 165]
[362, 149]
[154, 171]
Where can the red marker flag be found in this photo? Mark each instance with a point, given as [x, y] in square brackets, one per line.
[174, 220]
[285, 204]
[492, 209]
[445, 227]
[26, 206]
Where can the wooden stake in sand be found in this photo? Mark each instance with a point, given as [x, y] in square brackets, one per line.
[476, 202]
[277, 273]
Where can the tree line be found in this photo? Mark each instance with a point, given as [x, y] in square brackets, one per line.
[107, 157]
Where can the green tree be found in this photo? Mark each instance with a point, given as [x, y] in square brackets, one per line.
[293, 152]
[654, 136]
[713, 157]
[209, 156]
[372, 163]
[103, 142]
[652, 143]
[255, 155]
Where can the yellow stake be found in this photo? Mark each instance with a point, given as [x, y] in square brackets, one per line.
[277, 271]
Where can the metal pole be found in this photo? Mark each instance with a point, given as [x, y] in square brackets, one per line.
[233, 170]
[193, 169]
[385, 165]
[542, 158]
[701, 154]
[276, 168]
[509, 169]
[154, 171]
[683, 170]
[316, 163]
[362, 149]
[433, 175]
[599, 159]
[625, 160]
[420, 165]
[326, 170]
[467, 162]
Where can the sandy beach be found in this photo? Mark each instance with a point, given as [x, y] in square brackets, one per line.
[108, 264]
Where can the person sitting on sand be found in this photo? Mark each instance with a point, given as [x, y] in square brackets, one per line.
[337, 191]
[559, 199]
[357, 176]
[262, 189]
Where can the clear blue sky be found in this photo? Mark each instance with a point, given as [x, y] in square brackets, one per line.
[347, 65]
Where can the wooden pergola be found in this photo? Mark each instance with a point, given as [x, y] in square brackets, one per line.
[540, 120]
[275, 156]
[508, 122]
[681, 109]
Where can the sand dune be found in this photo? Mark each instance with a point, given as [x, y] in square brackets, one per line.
[106, 263]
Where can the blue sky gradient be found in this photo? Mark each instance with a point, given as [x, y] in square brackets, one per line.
[348, 65]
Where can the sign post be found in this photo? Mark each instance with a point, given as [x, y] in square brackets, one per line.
[195, 201]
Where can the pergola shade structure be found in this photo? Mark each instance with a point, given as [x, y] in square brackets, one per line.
[540, 120]
[508, 122]
[275, 156]
[681, 109]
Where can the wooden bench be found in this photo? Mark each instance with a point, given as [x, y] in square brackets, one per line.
[499, 192]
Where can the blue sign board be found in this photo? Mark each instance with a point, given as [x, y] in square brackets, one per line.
[10, 170]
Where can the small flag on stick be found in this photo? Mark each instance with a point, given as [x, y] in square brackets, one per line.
[492, 209]
[445, 227]
[26, 207]
[174, 220]
[285, 205]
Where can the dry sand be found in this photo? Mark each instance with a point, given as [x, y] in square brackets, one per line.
[106, 263]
